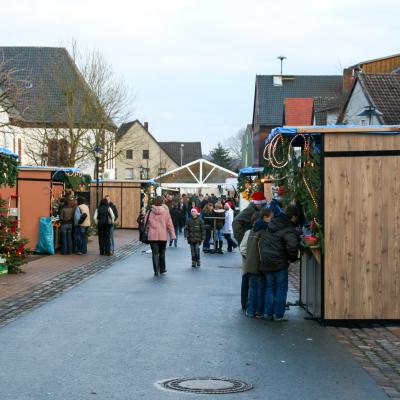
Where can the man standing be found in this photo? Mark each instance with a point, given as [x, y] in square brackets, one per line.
[82, 223]
[114, 209]
[242, 222]
[279, 246]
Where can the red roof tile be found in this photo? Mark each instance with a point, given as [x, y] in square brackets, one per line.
[298, 111]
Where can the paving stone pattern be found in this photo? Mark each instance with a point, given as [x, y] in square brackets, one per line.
[14, 306]
[375, 346]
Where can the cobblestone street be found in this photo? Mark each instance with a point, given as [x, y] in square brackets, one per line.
[185, 324]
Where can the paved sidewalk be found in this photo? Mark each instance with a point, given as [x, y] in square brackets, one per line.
[42, 269]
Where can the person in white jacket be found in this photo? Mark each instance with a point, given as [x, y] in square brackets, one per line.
[227, 229]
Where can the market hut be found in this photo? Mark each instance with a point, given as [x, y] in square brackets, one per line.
[33, 196]
[347, 179]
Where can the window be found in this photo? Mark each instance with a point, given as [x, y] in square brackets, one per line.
[145, 154]
[144, 173]
[129, 154]
[128, 173]
[162, 171]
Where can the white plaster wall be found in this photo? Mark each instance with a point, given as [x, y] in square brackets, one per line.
[138, 139]
[355, 105]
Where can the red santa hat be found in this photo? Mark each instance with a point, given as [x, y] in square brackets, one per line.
[258, 198]
[195, 210]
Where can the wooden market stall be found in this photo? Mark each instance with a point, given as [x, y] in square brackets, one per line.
[356, 276]
[35, 190]
[125, 194]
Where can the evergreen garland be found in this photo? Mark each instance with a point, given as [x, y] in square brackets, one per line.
[299, 175]
[8, 170]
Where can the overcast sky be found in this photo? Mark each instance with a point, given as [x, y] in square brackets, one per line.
[192, 64]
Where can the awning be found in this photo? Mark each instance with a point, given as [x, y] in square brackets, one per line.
[316, 130]
[7, 152]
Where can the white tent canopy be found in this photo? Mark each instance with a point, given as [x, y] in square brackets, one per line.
[197, 174]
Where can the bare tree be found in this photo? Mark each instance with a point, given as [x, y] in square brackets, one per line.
[93, 101]
[12, 88]
[234, 144]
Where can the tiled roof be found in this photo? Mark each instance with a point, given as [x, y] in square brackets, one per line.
[384, 93]
[324, 104]
[47, 75]
[191, 151]
[299, 111]
[271, 98]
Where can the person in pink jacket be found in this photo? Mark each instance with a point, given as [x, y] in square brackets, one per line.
[158, 227]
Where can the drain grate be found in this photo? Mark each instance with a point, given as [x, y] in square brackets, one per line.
[228, 266]
[206, 385]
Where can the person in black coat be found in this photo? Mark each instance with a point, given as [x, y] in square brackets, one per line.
[104, 217]
[112, 227]
[177, 220]
[279, 246]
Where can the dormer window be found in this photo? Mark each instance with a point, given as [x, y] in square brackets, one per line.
[277, 80]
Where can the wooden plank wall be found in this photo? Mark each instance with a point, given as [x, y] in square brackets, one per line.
[361, 142]
[124, 196]
[362, 237]
[382, 66]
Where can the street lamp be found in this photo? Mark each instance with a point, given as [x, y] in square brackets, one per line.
[281, 58]
[97, 154]
[369, 111]
[182, 146]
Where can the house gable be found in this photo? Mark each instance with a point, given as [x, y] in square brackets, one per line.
[133, 137]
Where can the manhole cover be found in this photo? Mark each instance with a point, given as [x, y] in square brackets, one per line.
[206, 385]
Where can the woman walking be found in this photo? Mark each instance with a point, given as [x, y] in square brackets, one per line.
[159, 224]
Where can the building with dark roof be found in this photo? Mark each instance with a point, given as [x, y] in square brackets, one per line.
[327, 109]
[269, 99]
[47, 100]
[373, 100]
[141, 156]
[47, 89]
[182, 152]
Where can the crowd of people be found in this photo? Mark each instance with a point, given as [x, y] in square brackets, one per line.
[266, 234]
[74, 220]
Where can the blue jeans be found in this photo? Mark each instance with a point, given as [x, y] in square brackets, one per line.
[276, 293]
[206, 243]
[66, 238]
[256, 297]
[112, 244]
[81, 239]
[219, 235]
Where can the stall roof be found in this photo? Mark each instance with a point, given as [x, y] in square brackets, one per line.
[250, 170]
[317, 130]
[7, 152]
[199, 173]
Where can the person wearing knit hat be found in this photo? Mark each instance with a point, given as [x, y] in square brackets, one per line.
[195, 233]
[240, 225]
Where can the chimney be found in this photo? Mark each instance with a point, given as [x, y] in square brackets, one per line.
[146, 126]
[348, 79]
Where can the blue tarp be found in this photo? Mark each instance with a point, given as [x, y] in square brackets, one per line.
[250, 170]
[292, 131]
[4, 150]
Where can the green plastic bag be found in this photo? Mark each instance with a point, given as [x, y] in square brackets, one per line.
[45, 244]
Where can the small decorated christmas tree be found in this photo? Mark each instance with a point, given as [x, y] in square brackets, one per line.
[13, 251]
